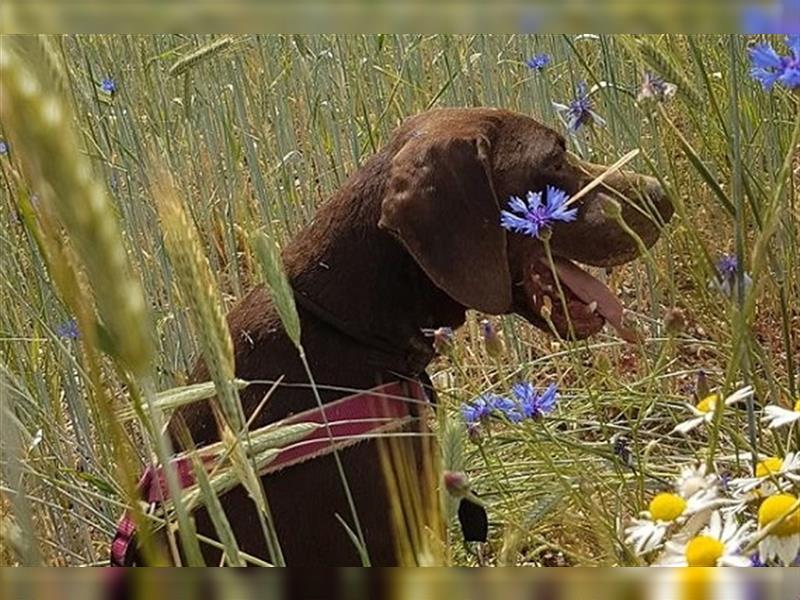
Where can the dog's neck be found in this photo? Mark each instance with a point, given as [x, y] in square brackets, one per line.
[363, 279]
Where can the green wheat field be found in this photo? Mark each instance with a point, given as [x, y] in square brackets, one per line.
[138, 174]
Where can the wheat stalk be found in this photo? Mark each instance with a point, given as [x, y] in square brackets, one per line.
[204, 53]
[199, 290]
[89, 254]
[52, 158]
[269, 257]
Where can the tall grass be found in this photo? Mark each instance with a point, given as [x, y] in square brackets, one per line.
[254, 132]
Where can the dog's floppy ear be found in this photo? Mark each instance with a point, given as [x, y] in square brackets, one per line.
[440, 203]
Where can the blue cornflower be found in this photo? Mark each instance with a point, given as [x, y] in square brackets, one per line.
[533, 404]
[3, 147]
[726, 266]
[487, 405]
[768, 67]
[725, 281]
[654, 87]
[580, 110]
[531, 217]
[492, 341]
[507, 408]
[478, 410]
[68, 330]
[538, 62]
[108, 85]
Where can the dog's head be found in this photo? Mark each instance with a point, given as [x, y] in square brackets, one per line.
[452, 173]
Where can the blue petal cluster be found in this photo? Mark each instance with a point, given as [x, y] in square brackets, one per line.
[768, 67]
[726, 280]
[68, 330]
[526, 403]
[654, 87]
[532, 215]
[538, 62]
[108, 85]
[533, 404]
[480, 409]
[726, 266]
[580, 110]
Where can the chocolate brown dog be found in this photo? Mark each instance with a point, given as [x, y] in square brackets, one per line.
[410, 242]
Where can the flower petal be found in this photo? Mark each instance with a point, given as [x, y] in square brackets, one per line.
[517, 205]
[739, 395]
[764, 56]
[793, 41]
[598, 120]
[547, 400]
[556, 196]
[514, 223]
[787, 549]
[734, 561]
[534, 200]
[777, 416]
[766, 78]
[687, 426]
[790, 77]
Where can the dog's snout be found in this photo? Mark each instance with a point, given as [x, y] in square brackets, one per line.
[653, 188]
[657, 196]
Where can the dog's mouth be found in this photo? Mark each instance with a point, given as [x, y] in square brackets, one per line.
[568, 299]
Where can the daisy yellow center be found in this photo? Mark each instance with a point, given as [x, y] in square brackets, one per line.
[667, 507]
[769, 466]
[704, 551]
[771, 510]
[708, 403]
[797, 405]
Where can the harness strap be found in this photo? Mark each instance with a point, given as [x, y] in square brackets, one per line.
[352, 419]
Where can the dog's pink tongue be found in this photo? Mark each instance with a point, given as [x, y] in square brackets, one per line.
[590, 289]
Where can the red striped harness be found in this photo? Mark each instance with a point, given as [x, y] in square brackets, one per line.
[350, 420]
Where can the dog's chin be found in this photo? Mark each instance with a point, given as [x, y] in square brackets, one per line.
[565, 299]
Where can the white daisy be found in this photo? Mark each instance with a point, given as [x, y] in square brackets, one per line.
[695, 479]
[665, 510]
[783, 542]
[716, 546]
[771, 475]
[704, 410]
[776, 416]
